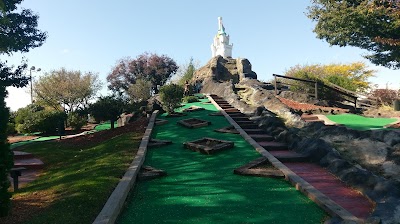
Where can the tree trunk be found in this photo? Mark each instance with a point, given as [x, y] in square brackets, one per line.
[112, 123]
[6, 156]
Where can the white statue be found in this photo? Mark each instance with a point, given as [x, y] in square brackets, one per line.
[221, 44]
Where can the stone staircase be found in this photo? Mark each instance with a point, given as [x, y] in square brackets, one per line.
[29, 167]
[322, 180]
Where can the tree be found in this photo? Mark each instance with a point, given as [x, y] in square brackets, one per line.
[152, 67]
[353, 76]
[140, 91]
[70, 89]
[18, 33]
[171, 97]
[108, 108]
[370, 25]
[185, 72]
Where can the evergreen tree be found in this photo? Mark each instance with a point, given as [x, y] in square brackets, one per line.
[18, 33]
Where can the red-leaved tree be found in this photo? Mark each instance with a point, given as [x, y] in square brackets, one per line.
[152, 67]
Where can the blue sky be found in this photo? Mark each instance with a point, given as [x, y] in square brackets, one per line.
[88, 36]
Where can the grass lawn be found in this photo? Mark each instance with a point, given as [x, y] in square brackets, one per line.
[76, 181]
[359, 122]
[203, 189]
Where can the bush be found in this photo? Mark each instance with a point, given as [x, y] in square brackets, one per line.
[76, 121]
[42, 121]
[190, 99]
[171, 97]
[11, 129]
[385, 96]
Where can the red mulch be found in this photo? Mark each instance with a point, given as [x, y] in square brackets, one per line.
[97, 137]
[308, 107]
[13, 139]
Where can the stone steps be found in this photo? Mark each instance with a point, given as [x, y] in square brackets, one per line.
[22, 155]
[262, 137]
[289, 156]
[272, 146]
[29, 163]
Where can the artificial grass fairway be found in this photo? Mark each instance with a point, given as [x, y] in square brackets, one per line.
[359, 122]
[203, 189]
[104, 126]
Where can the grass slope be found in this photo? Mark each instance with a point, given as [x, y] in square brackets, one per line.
[77, 181]
[358, 122]
[203, 189]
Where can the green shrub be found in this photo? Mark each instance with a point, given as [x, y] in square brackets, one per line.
[42, 121]
[11, 128]
[190, 99]
[171, 97]
[76, 121]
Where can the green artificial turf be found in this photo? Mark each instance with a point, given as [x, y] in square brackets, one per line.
[359, 122]
[203, 189]
[40, 139]
[104, 126]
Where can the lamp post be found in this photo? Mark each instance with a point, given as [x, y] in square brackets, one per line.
[30, 75]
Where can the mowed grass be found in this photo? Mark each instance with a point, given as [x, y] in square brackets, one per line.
[358, 122]
[78, 181]
[202, 189]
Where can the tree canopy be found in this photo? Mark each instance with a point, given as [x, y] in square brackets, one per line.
[18, 33]
[108, 108]
[152, 67]
[353, 76]
[70, 89]
[370, 25]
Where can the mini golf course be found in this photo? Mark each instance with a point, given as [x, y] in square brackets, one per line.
[202, 188]
[358, 122]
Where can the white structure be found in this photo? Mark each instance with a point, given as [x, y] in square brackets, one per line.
[221, 44]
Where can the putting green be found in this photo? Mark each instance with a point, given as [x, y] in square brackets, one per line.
[359, 122]
[203, 189]
[105, 126]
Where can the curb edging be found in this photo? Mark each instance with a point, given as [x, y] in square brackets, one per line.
[115, 202]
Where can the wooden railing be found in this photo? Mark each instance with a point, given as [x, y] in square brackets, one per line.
[350, 96]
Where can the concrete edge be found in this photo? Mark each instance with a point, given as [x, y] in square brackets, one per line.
[115, 202]
[303, 186]
[394, 122]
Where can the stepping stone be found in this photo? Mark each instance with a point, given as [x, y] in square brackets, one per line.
[270, 146]
[289, 156]
[158, 142]
[149, 173]
[22, 155]
[208, 145]
[229, 129]
[262, 137]
[30, 163]
[260, 168]
[194, 123]
[161, 121]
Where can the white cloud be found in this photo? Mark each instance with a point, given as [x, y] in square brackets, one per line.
[65, 51]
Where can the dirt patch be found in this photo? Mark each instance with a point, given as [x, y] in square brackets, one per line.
[14, 139]
[97, 137]
[305, 107]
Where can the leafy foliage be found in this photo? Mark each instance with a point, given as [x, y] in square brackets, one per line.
[386, 96]
[140, 91]
[152, 67]
[34, 118]
[76, 121]
[171, 97]
[186, 72]
[108, 108]
[370, 25]
[18, 33]
[190, 99]
[70, 89]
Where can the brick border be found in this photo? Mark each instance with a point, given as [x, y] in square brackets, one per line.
[303, 186]
[115, 202]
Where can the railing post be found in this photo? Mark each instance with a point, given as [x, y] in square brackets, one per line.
[316, 90]
[355, 102]
[276, 88]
